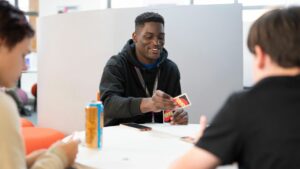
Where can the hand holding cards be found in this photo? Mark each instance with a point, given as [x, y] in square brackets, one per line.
[181, 101]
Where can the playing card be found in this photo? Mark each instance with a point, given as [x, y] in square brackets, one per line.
[167, 115]
[182, 101]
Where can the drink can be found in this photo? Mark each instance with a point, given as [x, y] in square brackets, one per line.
[94, 125]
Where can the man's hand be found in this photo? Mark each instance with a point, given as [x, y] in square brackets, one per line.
[162, 101]
[158, 102]
[179, 117]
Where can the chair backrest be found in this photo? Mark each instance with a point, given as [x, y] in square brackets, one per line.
[98, 96]
[34, 90]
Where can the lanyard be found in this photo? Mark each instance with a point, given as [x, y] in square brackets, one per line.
[144, 84]
[138, 71]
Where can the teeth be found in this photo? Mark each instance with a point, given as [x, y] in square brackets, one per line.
[154, 49]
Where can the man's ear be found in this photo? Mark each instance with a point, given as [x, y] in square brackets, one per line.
[134, 38]
[261, 57]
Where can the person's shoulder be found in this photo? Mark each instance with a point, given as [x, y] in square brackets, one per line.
[114, 60]
[10, 130]
[242, 102]
[239, 95]
[118, 59]
[170, 63]
[8, 107]
[6, 102]
[239, 98]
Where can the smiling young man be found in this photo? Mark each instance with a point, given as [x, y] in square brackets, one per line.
[139, 82]
[259, 128]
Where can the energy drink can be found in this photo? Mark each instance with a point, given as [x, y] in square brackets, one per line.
[94, 125]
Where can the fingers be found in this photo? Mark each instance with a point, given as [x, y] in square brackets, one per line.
[203, 124]
[180, 117]
[75, 142]
[163, 101]
[163, 105]
[162, 94]
[71, 150]
[177, 112]
[74, 137]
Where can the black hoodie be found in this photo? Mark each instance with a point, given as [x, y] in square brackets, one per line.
[122, 92]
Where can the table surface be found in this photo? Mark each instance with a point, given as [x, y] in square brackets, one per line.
[128, 148]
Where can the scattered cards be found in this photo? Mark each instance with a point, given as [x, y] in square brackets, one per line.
[188, 139]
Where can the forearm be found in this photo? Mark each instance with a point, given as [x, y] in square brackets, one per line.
[122, 107]
[29, 162]
[31, 158]
[53, 158]
[146, 105]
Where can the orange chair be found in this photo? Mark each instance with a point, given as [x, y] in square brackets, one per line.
[26, 123]
[34, 90]
[36, 138]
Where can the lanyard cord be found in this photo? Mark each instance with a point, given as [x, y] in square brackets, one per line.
[141, 79]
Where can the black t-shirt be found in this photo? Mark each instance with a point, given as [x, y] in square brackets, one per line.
[258, 128]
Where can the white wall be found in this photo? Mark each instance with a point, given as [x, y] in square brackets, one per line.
[50, 7]
[249, 16]
[29, 77]
[247, 57]
[11, 2]
[204, 41]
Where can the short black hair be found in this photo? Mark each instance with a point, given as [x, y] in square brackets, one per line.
[148, 17]
[277, 32]
[14, 26]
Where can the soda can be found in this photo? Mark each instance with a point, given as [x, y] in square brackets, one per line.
[94, 125]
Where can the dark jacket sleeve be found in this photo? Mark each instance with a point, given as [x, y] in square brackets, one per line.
[175, 87]
[112, 94]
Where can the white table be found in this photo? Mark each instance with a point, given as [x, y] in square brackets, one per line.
[127, 148]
